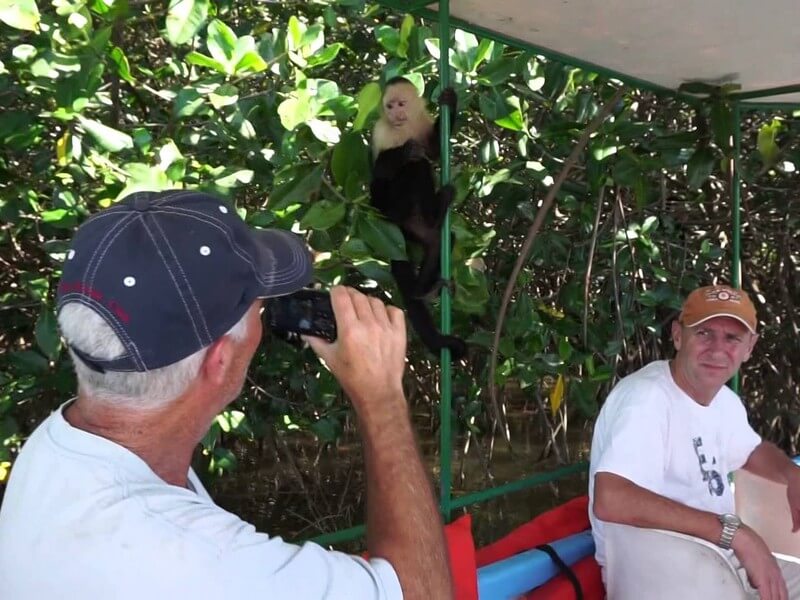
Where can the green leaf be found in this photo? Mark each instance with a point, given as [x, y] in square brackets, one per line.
[222, 460]
[231, 420]
[298, 187]
[369, 98]
[513, 121]
[221, 44]
[472, 291]
[327, 429]
[184, 19]
[355, 249]
[700, 167]
[497, 71]
[188, 102]
[143, 177]
[676, 141]
[326, 56]
[246, 57]
[224, 95]
[60, 217]
[767, 147]
[295, 30]
[241, 177]
[24, 52]
[294, 112]
[405, 31]
[313, 39]
[722, 124]
[250, 62]
[46, 332]
[201, 60]
[385, 238]
[485, 49]
[324, 131]
[389, 38]
[123, 68]
[564, 348]
[600, 152]
[323, 214]
[8, 427]
[350, 157]
[109, 138]
[29, 361]
[627, 170]
[20, 14]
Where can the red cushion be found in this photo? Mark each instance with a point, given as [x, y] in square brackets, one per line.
[566, 519]
[461, 549]
[559, 588]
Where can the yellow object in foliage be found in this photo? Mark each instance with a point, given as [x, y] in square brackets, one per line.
[61, 148]
[557, 395]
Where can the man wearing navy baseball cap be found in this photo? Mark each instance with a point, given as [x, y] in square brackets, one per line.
[159, 304]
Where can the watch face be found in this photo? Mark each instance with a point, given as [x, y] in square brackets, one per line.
[729, 519]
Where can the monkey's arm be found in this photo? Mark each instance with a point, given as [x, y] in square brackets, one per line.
[448, 98]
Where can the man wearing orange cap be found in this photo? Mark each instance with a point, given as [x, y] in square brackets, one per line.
[669, 434]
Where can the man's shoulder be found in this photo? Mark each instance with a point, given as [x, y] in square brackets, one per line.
[727, 399]
[650, 383]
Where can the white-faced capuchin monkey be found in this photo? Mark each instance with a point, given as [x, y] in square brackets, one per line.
[404, 142]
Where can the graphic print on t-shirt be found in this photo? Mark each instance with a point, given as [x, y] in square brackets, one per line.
[716, 484]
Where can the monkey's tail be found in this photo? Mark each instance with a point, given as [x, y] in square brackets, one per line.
[420, 316]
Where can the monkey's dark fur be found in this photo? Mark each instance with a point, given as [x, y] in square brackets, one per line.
[403, 188]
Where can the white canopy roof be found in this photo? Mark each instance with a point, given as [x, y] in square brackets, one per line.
[752, 43]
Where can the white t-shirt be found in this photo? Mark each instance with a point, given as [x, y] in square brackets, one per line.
[652, 433]
[83, 519]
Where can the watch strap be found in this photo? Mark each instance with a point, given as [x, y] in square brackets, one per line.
[728, 532]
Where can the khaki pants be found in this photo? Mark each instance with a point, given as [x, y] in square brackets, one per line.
[651, 564]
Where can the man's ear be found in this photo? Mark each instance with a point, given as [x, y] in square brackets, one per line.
[218, 360]
[677, 332]
[753, 340]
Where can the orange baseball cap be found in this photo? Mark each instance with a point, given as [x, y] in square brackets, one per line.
[718, 301]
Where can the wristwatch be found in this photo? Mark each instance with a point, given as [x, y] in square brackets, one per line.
[730, 525]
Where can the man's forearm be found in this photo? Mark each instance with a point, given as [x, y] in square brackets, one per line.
[403, 522]
[619, 500]
[768, 461]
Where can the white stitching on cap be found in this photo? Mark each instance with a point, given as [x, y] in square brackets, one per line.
[123, 224]
[188, 283]
[177, 287]
[100, 244]
[175, 195]
[280, 276]
[203, 218]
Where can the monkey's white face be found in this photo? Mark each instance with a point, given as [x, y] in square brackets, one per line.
[399, 104]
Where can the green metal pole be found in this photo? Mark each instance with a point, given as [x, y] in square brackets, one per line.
[736, 201]
[445, 442]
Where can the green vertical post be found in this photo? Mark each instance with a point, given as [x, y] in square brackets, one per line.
[736, 201]
[445, 450]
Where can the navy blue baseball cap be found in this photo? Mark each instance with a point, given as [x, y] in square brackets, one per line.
[173, 271]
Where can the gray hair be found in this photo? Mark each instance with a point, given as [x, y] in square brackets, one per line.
[83, 328]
